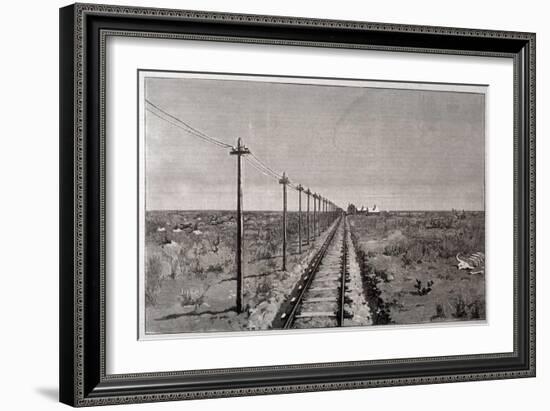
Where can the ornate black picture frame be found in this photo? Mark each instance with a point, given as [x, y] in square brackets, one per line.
[83, 31]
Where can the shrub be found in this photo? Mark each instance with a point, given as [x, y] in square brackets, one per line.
[381, 311]
[215, 244]
[215, 268]
[192, 296]
[414, 254]
[460, 308]
[153, 279]
[198, 270]
[266, 251]
[395, 249]
[464, 310]
[441, 222]
[406, 259]
[420, 290]
[439, 311]
[370, 254]
[384, 275]
[264, 287]
[268, 245]
[476, 309]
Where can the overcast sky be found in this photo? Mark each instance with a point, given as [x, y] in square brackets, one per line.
[398, 149]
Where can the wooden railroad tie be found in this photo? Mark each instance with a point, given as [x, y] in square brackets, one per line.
[320, 300]
[312, 314]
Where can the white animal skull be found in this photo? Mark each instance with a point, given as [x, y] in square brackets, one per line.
[463, 264]
[466, 265]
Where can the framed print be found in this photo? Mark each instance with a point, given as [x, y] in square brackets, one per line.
[262, 204]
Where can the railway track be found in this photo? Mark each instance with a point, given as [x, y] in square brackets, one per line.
[319, 299]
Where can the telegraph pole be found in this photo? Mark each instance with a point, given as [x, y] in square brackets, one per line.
[327, 214]
[321, 213]
[324, 214]
[323, 220]
[239, 151]
[284, 181]
[315, 196]
[308, 192]
[300, 189]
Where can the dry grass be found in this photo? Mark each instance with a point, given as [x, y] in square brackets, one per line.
[409, 258]
[192, 266]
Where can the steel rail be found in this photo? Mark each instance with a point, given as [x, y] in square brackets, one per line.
[344, 275]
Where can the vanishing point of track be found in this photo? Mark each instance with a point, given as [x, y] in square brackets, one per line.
[319, 298]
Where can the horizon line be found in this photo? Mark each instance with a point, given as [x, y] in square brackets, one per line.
[311, 210]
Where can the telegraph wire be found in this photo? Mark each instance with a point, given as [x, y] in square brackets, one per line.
[187, 127]
[265, 169]
[183, 122]
[253, 160]
[265, 166]
[184, 129]
[258, 168]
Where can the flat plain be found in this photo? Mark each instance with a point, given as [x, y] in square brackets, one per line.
[407, 263]
[409, 266]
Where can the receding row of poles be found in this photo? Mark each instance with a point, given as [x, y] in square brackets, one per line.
[324, 213]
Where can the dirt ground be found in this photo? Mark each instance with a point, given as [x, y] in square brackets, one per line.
[409, 267]
[406, 261]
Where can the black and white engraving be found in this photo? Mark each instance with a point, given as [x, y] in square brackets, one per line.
[271, 202]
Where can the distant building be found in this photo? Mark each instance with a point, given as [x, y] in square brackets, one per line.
[363, 210]
[373, 210]
[368, 210]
